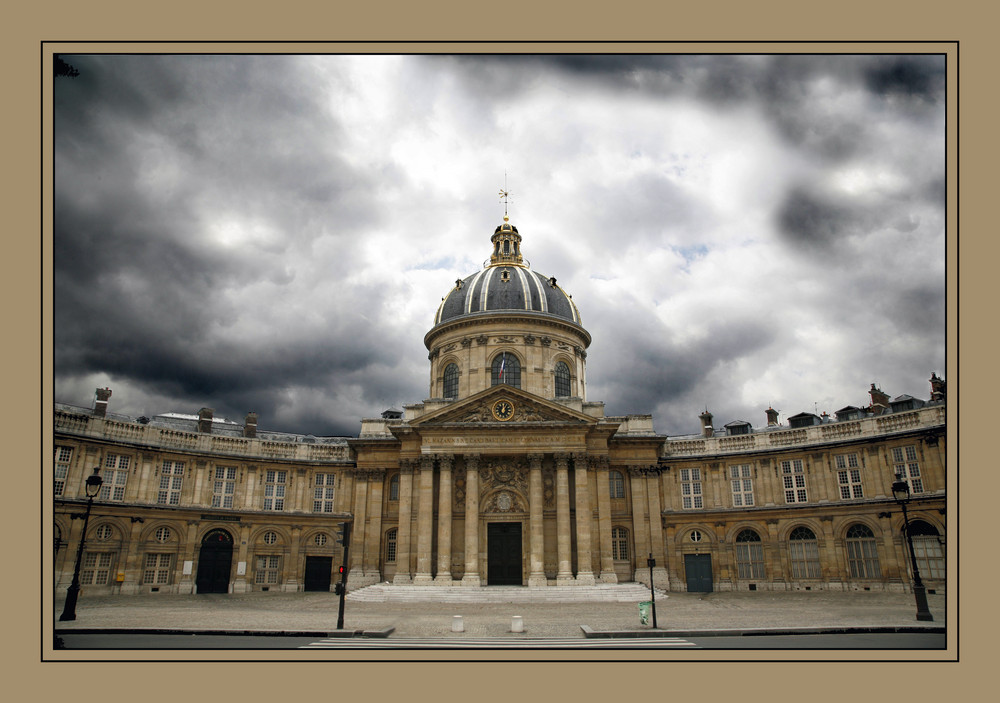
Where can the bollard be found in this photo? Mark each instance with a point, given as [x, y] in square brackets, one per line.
[456, 624]
[517, 624]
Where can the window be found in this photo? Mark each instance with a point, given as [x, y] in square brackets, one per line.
[749, 555]
[323, 493]
[619, 544]
[691, 488]
[394, 487]
[617, 482]
[562, 380]
[63, 456]
[904, 460]
[115, 474]
[171, 478]
[95, 569]
[390, 545]
[928, 549]
[850, 484]
[104, 532]
[162, 534]
[794, 480]
[695, 536]
[451, 381]
[156, 569]
[320, 540]
[225, 487]
[268, 569]
[740, 478]
[804, 553]
[270, 537]
[274, 490]
[506, 369]
[862, 553]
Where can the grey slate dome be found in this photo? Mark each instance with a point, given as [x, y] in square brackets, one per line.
[507, 284]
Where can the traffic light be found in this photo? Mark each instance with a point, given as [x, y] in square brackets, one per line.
[344, 534]
[338, 588]
[340, 570]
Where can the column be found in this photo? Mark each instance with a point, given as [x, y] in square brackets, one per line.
[240, 582]
[656, 546]
[600, 465]
[536, 576]
[640, 528]
[372, 557]
[403, 531]
[290, 569]
[191, 545]
[443, 576]
[584, 518]
[564, 576]
[132, 567]
[425, 522]
[356, 549]
[471, 577]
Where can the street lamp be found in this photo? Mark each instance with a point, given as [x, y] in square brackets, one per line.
[901, 492]
[94, 483]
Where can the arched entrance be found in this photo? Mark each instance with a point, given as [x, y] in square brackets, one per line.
[215, 562]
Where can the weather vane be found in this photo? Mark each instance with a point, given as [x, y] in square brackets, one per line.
[505, 194]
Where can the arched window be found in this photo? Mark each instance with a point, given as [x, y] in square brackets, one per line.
[749, 555]
[390, 545]
[394, 487]
[562, 380]
[617, 482]
[804, 553]
[451, 381]
[862, 553]
[506, 369]
[928, 549]
[619, 544]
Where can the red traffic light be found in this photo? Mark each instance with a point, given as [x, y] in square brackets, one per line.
[340, 569]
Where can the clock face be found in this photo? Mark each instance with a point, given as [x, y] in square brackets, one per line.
[503, 410]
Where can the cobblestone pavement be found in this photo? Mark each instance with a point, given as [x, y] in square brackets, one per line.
[317, 612]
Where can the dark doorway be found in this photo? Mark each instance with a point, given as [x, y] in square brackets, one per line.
[504, 554]
[698, 570]
[318, 571]
[215, 562]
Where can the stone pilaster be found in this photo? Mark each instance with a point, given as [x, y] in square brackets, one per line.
[191, 544]
[564, 576]
[471, 577]
[656, 546]
[425, 522]
[240, 582]
[132, 567]
[600, 466]
[443, 576]
[584, 518]
[640, 526]
[536, 498]
[403, 531]
[356, 550]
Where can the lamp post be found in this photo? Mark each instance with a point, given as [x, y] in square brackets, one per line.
[901, 492]
[94, 483]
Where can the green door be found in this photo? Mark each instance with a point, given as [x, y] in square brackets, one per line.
[698, 571]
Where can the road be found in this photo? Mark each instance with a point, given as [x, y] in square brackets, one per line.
[852, 641]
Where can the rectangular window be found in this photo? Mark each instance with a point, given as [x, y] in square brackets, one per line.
[171, 478]
[115, 474]
[156, 569]
[323, 493]
[274, 490]
[224, 487]
[96, 568]
[850, 484]
[268, 570]
[691, 488]
[740, 478]
[794, 480]
[907, 468]
[63, 456]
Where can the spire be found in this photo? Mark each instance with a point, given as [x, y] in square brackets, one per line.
[506, 240]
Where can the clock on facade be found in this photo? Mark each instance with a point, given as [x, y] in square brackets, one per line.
[503, 410]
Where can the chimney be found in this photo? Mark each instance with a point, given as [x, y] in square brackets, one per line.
[880, 401]
[205, 420]
[706, 424]
[250, 426]
[937, 387]
[101, 404]
[772, 417]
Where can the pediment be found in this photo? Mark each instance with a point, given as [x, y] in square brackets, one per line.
[526, 408]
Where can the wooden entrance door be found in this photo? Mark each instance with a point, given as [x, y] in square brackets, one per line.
[698, 572]
[215, 562]
[318, 573]
[503, 554]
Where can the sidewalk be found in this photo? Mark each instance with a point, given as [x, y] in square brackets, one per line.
[677, 614]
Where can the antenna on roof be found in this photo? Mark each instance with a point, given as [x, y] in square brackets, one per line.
[505, 194]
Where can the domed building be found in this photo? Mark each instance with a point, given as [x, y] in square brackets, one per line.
[505, 474]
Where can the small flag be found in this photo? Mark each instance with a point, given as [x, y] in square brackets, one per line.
[503, 362]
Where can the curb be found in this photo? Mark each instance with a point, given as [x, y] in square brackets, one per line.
[235, 632]
[757, 632]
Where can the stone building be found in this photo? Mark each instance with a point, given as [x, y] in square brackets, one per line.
[505, 474]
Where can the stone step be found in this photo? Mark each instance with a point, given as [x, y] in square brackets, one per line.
[390, 593]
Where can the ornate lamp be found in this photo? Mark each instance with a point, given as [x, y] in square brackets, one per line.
[93, 487]
[901, 493]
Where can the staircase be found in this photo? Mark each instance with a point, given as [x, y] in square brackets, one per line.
[605, 592]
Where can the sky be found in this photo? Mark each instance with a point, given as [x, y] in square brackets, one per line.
[275, 233]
